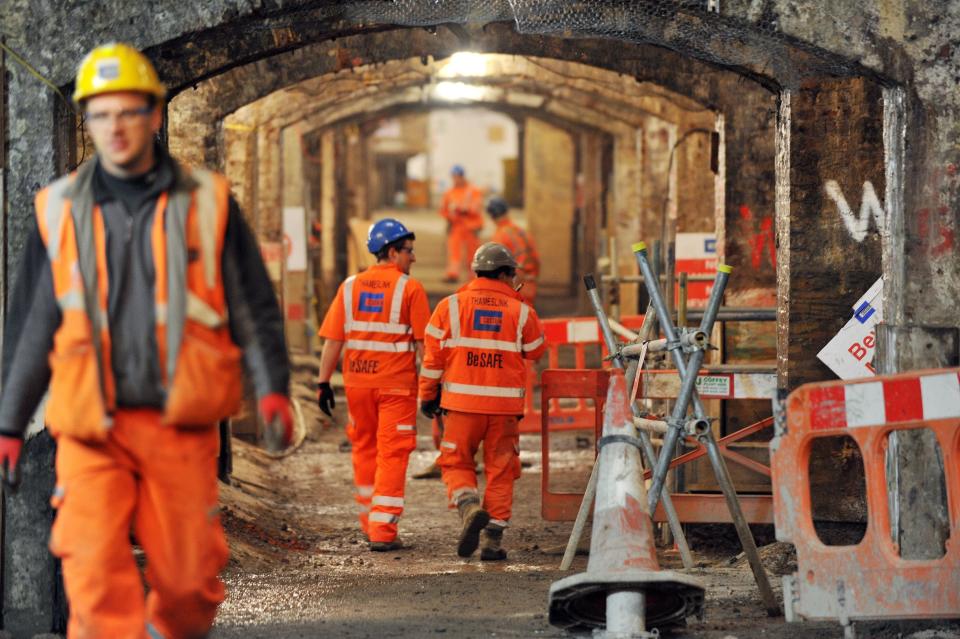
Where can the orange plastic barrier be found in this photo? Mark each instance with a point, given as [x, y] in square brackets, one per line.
[566, 384]
[576, 333]
[868, 580]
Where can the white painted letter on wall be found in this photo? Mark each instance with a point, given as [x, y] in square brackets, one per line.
[858, 225]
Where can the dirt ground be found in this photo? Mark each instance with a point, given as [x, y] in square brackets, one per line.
[301, 568]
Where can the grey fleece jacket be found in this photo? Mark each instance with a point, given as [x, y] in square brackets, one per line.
[128, 208]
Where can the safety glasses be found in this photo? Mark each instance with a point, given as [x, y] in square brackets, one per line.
[124, 116]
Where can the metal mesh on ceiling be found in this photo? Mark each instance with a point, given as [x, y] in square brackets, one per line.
[689, 27]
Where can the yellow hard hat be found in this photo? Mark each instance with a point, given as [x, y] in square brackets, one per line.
[116, 67]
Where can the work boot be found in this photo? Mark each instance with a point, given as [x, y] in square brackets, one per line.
[430, 472]
[474, 518]
[386, 546]
[491, 539]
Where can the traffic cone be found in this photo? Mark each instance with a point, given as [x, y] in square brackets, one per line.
[623, 589]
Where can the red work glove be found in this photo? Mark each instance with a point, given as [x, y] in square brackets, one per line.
[275, 408]
[10, 448]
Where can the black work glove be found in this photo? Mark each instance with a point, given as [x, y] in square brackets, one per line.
[325, 398]
[431, 407]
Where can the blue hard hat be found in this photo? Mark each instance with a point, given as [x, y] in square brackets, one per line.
[497, 206]
[386, 231]
[457, 169]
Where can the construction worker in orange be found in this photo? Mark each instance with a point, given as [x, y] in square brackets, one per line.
[474, 373]
[461, 207]
[518, 242]
[140, 292]
[379, 317]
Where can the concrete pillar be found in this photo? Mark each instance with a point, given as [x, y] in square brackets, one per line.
[196, 118]
[292, 191]
[341, 206]
[191, 133]
[920, 328]
[269, 199]
[240, 165]
[353, 192]
[830, 163]
[549, 198]
[749, 236]
[590, 192]
[357, 168]
[625, 221]
[328, 218]
[33, 601]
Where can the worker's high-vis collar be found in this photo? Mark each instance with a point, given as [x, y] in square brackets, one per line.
[383, 266]
[486, 284]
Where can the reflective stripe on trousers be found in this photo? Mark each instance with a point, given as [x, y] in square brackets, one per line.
[382, 435]
[483, 391]
[384, 518]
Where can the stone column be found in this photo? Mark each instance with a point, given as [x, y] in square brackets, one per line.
[626, 214]
[328, 218]
[292, 190]
[749, 237]
[830, 166]
[269, 198]
[590, 191]
[33, 600]
[549, 198]
[921, 288]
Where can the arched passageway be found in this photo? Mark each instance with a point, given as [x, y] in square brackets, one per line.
[835, 154]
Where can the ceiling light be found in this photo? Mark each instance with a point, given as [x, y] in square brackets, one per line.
[464, 63]
[459, 92]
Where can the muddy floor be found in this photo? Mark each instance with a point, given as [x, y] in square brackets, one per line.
[301, 568]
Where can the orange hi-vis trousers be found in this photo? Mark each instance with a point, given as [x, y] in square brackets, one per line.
[500, 434]
[160, 482]
[383, 433]
[462, 243]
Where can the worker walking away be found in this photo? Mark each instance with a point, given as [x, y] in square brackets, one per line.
[379, 317]
[474, 372]
[461, 207]
[518, 242]
[140, 290]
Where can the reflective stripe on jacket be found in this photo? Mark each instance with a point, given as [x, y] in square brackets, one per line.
[379, 314]
[476, 345]
[199, 362]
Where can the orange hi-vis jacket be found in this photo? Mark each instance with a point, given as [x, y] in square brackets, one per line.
[476, 344]
[521, 245]
[199, 362]
[379, 314]
[462, 205]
